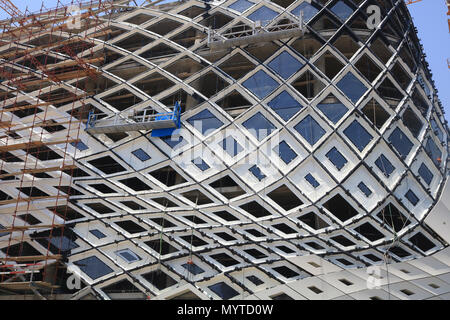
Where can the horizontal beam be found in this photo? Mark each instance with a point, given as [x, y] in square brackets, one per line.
[45, 123]
[24, 228]
[32, 258]
[43, 104]
[40, 170]
[27, 285]
[10, 201]
[34, 144]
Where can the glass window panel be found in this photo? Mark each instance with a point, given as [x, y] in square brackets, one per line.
[342, 10]
[425, 173]
[411, 196]
[3, 233]
[63, 243]
[308, 11]
[437, 131]
[193, 268]
[259, 126]
[310, 129]
[384, 165]
[201, 164]
[285, 64]
[231, 146]
[285, 152]
[336, 158]
[285, 105]
[128, 255]
[97, 233]
[223, 290]
[400, 142]
[312, 180]
[141, 154]
[257, 172]
[79, 145]
[433, 151]
[260, 84]
[93, 267]
[358, 135]
[362, 186]
[333, 111]
[352, 87]
[174, 142]
[263, 14]
[255, 280]
[205, 122]
[241, 5]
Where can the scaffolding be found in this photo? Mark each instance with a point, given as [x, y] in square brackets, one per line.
[40, 53]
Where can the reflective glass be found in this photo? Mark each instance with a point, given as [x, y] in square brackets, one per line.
[333, 111]
[260, 84]
[312, 180]
[128, 255]
[223, 290]
[285, 105]
[257, 172]
[437, 131]
[425, 173]
[433, 151]
[362, 186]
[255, 280]
[93, 267]
[63, 243]
[174, 142]
[263, 14]
[241, 5]
[193, 268]
[308, 11]
[259, 126]
[231, 146]
[310, 129]
[384, 165]
[285, 64]
[352, 87]
[285, 152]
[3, 233]
[205, 121]
[141, 154]
[342, 10]
[358, 135]
[336, 158]
[411, 196]
[79, 145]
[201, 164]
[400, 142]
[97, 233]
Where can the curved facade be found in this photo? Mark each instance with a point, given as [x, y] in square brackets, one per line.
[326, 151]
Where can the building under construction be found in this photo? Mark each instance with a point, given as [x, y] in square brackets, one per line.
[232, 149]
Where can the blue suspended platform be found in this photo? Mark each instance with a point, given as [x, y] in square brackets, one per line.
[161, 124]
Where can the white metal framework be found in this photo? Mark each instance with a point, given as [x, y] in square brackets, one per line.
[344, 121]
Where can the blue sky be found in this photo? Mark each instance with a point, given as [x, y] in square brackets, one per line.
[430, 18]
